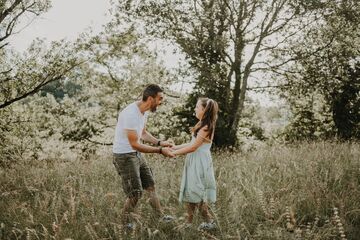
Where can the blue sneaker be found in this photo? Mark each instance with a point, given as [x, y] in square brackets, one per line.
[129, 227]
[207, 226]
[167, 218]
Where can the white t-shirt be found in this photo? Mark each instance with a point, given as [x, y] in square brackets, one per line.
[130, 118]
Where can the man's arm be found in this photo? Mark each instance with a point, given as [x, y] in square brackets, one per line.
[133, 140]
[147, 137]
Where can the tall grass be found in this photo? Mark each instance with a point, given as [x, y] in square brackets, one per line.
[304, 191]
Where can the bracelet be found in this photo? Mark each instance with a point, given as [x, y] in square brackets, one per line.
[160, 148]
[158, 143]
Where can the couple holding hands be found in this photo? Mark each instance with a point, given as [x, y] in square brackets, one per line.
[198, 186]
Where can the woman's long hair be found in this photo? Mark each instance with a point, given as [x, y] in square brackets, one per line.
[209, 118]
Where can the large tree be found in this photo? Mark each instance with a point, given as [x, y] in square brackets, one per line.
[226, 42]
[327, 81]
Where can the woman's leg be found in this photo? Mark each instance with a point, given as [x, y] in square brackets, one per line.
[191, 207]
[205, 212]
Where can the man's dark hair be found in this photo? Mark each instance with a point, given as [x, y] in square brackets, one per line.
[151, 91]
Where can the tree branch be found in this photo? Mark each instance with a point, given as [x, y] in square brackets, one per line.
[6, 71]
[265, 87]
[2, 46]
[5, 13]
[11, 24]
[38, 87]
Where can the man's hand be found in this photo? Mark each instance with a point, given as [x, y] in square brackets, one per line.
[167, 152]
[167, 143]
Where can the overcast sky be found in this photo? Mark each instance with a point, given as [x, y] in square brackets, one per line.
[66, 19]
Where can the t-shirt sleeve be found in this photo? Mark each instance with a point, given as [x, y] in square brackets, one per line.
[131, 122]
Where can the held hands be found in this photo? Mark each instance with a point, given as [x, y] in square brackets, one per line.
[167, 148]
[167, 152]
[167, 143]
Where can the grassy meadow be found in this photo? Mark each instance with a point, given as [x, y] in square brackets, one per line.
[299, 191]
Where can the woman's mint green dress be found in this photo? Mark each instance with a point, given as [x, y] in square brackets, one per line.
[198, 180]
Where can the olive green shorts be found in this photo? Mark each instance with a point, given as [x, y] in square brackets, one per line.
[135, 173]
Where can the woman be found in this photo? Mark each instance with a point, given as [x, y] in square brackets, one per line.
[198, 186]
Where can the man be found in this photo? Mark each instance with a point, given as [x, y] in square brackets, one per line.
[131, 166]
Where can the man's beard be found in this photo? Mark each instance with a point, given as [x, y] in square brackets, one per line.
[153, 108]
